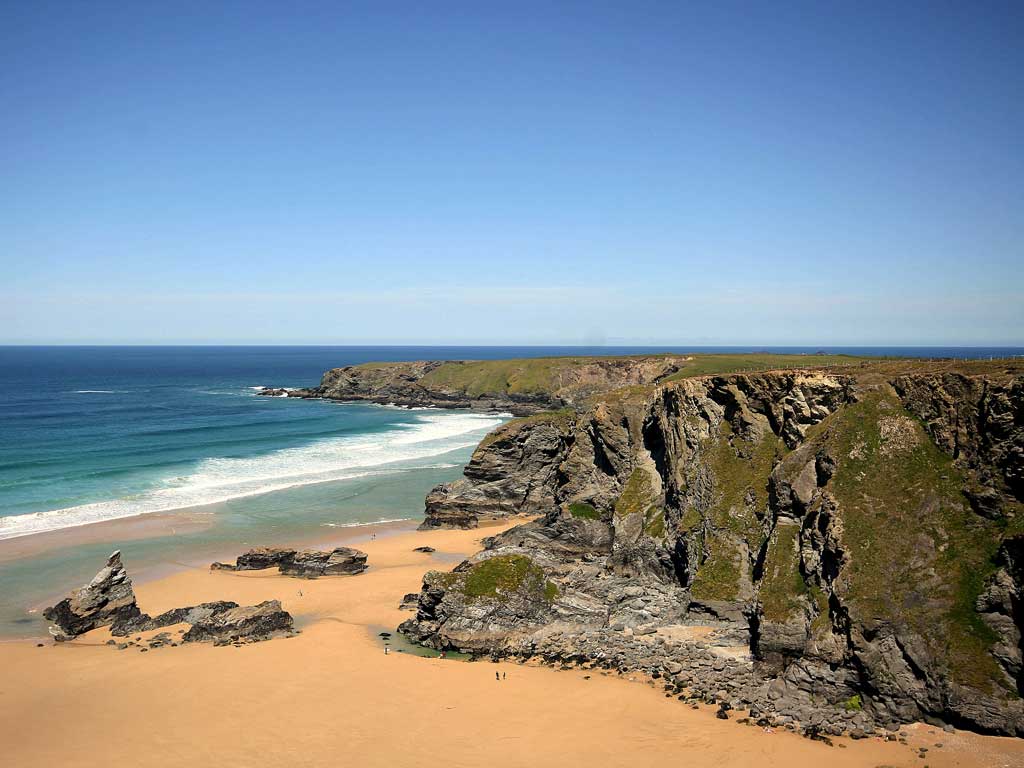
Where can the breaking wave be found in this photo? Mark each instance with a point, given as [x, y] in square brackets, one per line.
[221, 479]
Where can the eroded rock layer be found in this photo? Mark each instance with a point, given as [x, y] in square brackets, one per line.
[841, 550]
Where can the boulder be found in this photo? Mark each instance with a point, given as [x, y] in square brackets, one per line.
[263, 557]
[246, 624]
[307, 563]
[311, 563]
[410, 602]
[189, 615]
[107, 599]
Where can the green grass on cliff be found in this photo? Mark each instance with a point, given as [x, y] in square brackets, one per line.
[718, 577]
[711, 364]
[782, 586]
[584, 511]
[638, 494]
[918, 555]
[528, 376]
[654, 522]
[500, 576]
[740, 469]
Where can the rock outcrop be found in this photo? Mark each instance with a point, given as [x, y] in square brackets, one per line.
[242, 624]
[107, 599]
[189, 615]
[854, 542]
[520, 386]
[306, 563]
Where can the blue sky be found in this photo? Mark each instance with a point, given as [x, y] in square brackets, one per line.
[751, 173]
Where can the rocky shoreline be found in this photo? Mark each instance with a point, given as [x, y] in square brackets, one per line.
[729, 503]
[526, 387]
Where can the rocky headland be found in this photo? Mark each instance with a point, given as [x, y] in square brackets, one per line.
[518, 386]
[838, 550]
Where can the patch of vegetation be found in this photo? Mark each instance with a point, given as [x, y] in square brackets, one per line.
[719, 575]
[782, 587]
[654, 522]
[740, 469]
[853, 704]
[823, 621]
[691, 519]
[637, 495]
[528, 376]
[919, 555]
[706, 365]
[583, 511]
[500, 576]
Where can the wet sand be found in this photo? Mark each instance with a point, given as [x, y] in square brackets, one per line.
[330, 696]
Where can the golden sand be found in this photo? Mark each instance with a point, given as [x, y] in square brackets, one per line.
[331, 697]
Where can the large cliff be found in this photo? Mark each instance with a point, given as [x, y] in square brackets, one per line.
[840, 550]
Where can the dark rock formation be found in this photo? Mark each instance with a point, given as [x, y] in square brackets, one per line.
[830, 530]
[241, 624]
[107, 599]
[190, 615]
[513, 471]
[307, 563]
[425, 550]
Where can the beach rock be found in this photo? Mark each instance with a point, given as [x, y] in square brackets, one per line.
[310, 564]
[427, 550]
[190, 615]
[107, 599]
[307, 563]
[410, 602]
[258, 559]
[249, 623]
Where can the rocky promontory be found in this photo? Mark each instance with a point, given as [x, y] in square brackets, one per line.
[519, 386]
[841, 550]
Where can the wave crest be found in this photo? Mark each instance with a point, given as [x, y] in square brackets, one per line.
[222, 479]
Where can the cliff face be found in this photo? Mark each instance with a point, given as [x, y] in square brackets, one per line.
[520, 386]
[853, 543]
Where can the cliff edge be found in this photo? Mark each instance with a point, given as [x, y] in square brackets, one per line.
[837, 548]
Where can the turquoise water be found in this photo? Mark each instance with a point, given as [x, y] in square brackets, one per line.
[90, 434]
[100, 434]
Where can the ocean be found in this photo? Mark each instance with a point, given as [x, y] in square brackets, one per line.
[91, 434]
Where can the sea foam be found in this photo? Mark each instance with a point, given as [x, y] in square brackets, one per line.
[221, 479]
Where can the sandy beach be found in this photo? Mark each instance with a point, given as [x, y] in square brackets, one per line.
[332, 696]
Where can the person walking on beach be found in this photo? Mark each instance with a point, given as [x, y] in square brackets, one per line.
[496, 677]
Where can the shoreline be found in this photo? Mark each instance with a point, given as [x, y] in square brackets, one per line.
[117, 532]
[302, 699]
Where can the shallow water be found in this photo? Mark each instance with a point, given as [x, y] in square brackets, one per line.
[106, 433]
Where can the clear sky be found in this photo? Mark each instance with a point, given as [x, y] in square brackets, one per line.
[551, 172]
